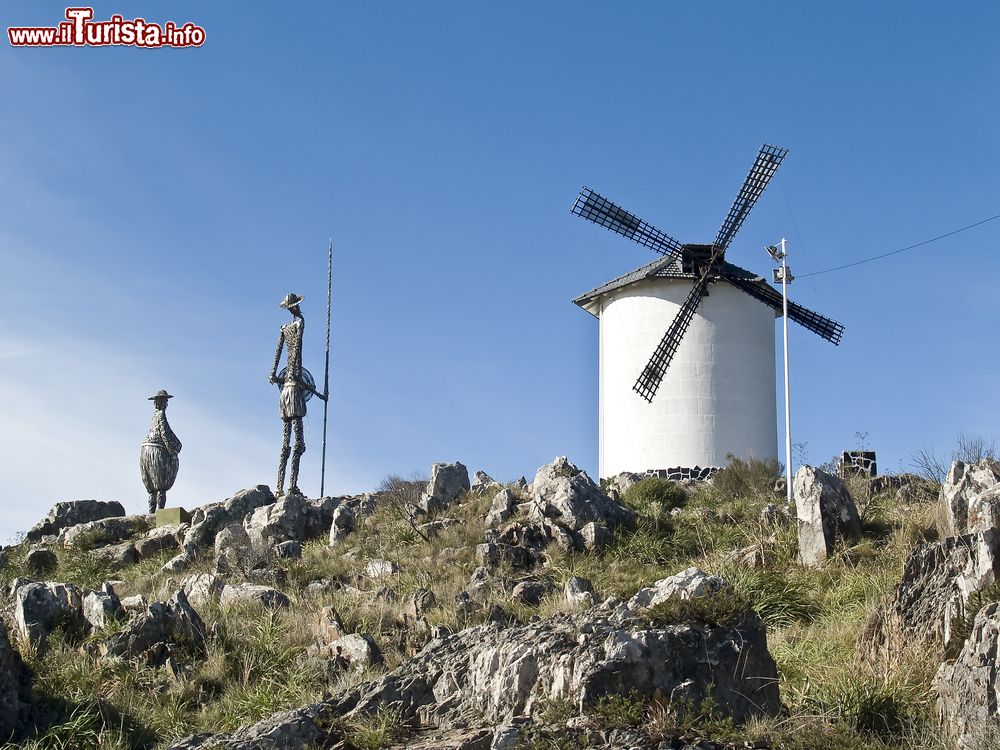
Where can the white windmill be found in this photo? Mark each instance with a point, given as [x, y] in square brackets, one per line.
[718, 397]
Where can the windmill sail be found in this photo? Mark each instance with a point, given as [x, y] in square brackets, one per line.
[768, 160]
[652, 374]
[600, 210]
[759, 289]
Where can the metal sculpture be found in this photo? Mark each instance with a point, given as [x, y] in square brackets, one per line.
[705, 262]
[295, 389]
[158, 461]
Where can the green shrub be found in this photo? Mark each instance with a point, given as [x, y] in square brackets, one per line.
[373, 731]
[778, 599]
[746, 479]
[654, 497]
[613, 711]
[723, 609]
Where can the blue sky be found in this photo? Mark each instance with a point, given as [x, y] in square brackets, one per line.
[156, 205]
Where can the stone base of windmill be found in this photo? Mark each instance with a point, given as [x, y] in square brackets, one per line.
[684, 473]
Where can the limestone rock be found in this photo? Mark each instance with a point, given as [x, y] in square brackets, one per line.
[72, 513]
[102, 608]
[38, 562]
[234, 555]
[290, 550]
[580, 593]
[968, 688]
[104, 531]
[358, 650]
[938, 580]
[328, 627]
[504, 506]
[594, 537]
[278, 522]
[158, 540]
[960, 511]
[181, 561]
[687, 584]
[419, 603]
[207, 521]
[117, 556]
[448, 482]
[342, 524]
[825, 512]
[152, 636]
[563, 492]
[529, 592]
[378, 568]
[40, 607]
[14, 689]
[248, 593]
[483, 483]
[202, 590]
[624, 480]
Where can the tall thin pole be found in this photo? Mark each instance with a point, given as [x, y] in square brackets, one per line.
[326, 369]
[788, 410]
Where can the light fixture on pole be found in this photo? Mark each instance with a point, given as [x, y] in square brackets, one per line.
[784, 275]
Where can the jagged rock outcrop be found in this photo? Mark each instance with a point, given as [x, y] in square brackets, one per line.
[483, 484]
[103, 532]
[341, 524]
[102, 608]
[66, 514]
[825, 512]
[234, 553]
[579, 593]
[162, 630]
[503, 507]
[203, 589]
[687, 584]
[266, 597]
[209, 520]
[566, 494]
[448, 482]
[489, 675]
[14, 689]
[967, 503]
[40, 561]
[938, 580]
[40, 607]
[278, 522]
[968, 688]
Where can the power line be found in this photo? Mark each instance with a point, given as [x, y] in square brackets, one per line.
[901, 250]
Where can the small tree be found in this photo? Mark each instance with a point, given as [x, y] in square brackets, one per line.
[969, 449]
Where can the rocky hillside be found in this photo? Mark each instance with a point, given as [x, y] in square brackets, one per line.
[468, 615]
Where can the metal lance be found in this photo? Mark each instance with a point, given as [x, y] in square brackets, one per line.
[326, 370]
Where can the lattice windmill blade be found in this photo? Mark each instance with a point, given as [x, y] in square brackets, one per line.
[759, 289]
[768, 160]
[600, 210]
[652, 374]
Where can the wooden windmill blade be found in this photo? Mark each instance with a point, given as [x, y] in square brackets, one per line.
[759, 289]
[768, 160]
[652, 374]
[601, 211]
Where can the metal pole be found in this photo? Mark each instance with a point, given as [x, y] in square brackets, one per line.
[788, 412]
[326, 369]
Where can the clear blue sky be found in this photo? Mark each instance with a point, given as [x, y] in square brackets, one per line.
[156, 205]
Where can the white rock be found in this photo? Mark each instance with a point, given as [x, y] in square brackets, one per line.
[687, 584]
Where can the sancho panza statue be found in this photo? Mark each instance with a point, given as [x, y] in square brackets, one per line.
[158, 459]
[292, 402]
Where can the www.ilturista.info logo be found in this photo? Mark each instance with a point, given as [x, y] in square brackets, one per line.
[80, 30]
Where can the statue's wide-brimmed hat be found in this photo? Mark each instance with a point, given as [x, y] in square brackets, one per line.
[159, 394]
[291, 300]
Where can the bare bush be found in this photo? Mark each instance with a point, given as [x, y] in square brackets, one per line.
[969, 449]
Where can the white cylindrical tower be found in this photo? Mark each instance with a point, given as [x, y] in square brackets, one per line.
[718, 394]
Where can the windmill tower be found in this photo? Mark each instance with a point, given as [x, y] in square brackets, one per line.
[708, 390]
